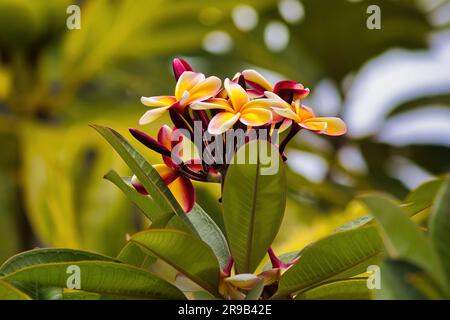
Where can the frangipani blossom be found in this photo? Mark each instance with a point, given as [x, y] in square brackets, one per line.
[191, 87]
[257, 82]
[238, 107]
[305, 118]
[286, 89]
[174, 176]
[180, 186]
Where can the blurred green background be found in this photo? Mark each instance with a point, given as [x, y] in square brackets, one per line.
[391, 86]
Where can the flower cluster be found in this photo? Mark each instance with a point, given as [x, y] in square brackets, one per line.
[247, 101]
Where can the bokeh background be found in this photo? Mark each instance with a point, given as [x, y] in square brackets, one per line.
[391, 86]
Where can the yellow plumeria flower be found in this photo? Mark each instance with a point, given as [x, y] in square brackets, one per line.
[305, 118]
[258, 83]
[191, 87]
[238, 107]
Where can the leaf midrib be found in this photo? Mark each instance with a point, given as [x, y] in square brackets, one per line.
[252, 218]
[328, 278]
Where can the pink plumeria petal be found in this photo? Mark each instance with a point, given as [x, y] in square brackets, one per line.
[167, 174]
[222, 121]
[236, 94]
[215, 103]
[158, 101]
[286, 113]
[138, 185]
[330, 126]
[152, 115]
[285, 125]
[255, 117]
[256, 80]
[186, 82]
[183, 190]
[165, 136]
[204, 90]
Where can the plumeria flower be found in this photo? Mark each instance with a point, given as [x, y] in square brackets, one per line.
[305, 118]
[286, 89]
[238, 107]
[235, 286]
[180, 186]
[175, 175]
[256, 82]
[191, 87]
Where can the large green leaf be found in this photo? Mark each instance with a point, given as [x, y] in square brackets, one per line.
[134, 255]
[396, 281]
[100, 277]
[338, 256]
[417, 200]
[185, 252]
[9, 292]
[206, 229]
[422, 197]
[81, 295]
[42, 256]
[145, 203]
[348, 289]
[402, 238]
[253, 202]
[148, 176]
[440, 228]
[210, 233]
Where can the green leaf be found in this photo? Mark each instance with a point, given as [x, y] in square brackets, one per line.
[144, 171]
[134, 255]
[338, 256]
[81, 295]
[210, 233]
[422, 197]
[402, 238]
[348, 289]
[253, 203]
[100, 277]
[256, 292]
[145, 203]
[42, 256]
[356, 223]
[185, 252]
[202, 295]
[417, 200]
[396, 284]
[439, 225]
[9, 292]
[48, 293]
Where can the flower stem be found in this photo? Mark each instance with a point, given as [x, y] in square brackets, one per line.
[294, 129]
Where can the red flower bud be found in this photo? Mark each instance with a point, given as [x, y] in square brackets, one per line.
[149, 142]
[287, 89]
[179, 66]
